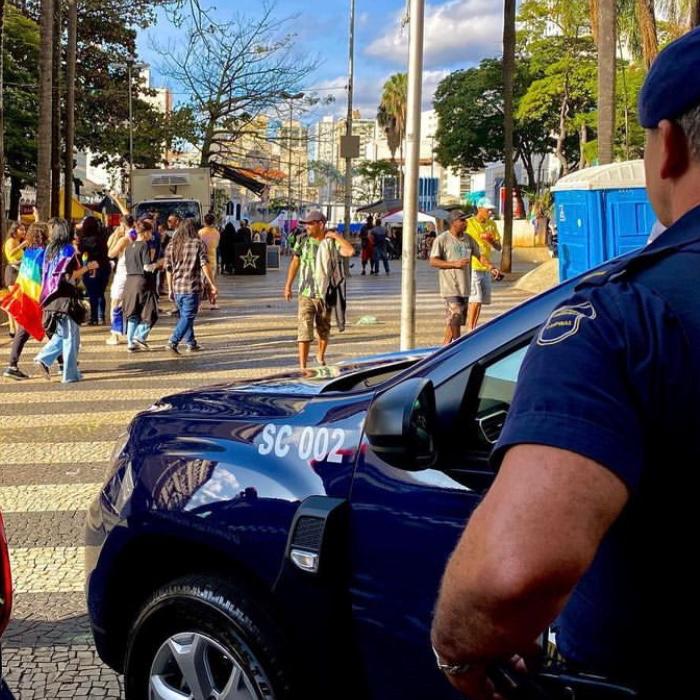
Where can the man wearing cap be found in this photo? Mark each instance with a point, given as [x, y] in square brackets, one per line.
[482, 228]
[591, 519]
[451, 254]
[313, 312]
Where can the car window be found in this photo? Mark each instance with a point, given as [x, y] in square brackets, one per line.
[496, 395]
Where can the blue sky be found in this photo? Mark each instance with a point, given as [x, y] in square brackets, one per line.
[458, 33]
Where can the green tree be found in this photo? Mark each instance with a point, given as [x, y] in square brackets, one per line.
[21, 59]
[373, 173]
[470, 132]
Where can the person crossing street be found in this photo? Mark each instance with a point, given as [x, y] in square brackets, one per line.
[314, 313]
[187, 266]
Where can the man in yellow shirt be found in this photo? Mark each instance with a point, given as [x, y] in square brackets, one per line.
[482, 229]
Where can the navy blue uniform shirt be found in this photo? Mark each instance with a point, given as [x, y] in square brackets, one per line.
[614, 375]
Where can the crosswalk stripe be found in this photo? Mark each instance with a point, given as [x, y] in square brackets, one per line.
[77, 395]
[47, 498]
[47, 569]
[55, 420]
[18, 453]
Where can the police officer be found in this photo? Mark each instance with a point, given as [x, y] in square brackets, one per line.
[592, 518]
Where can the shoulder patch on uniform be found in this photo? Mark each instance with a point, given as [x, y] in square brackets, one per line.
[565, 322]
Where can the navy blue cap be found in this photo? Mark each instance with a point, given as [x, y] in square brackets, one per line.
[672, 87]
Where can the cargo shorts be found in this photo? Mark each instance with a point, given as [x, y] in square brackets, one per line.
[456, 310]
[313, 313]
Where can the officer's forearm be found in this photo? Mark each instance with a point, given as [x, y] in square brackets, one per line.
[487, 612]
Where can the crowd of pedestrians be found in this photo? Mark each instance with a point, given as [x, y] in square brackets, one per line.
[148, 260]
[56, 280]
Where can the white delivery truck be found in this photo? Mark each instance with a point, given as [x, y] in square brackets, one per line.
[184, 191]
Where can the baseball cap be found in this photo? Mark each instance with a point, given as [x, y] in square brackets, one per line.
[671, 87]
[312, 217]
[457, 215]
[485, 203]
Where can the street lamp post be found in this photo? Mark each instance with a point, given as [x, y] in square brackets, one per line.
[287, 96]
[348, 125]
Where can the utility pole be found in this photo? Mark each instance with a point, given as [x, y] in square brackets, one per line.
[348, 124]
[410, 184]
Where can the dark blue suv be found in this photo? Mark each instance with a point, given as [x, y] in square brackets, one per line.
[285, 538]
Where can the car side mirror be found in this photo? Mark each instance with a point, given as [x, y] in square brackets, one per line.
[400, 425]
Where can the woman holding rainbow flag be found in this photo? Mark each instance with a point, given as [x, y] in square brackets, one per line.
[62, 310]
[22, 300]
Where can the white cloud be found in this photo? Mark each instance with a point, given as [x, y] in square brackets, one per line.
[456, 32]
[368, 92]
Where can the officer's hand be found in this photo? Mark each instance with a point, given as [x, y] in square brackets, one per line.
[287, 294]
[475, 685]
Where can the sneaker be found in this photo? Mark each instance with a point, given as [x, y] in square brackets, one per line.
[172, 348]
[45, 371]
[195, 348]
[114, 339]
[131, 348]
[14, 373]
[142, 345]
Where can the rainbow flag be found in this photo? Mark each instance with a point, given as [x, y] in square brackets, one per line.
[22, 299]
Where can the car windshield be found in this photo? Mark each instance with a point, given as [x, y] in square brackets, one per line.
[185, 209]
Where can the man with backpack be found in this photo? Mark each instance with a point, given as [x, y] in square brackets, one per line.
[314, 313]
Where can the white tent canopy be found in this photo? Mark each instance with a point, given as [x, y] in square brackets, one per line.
[397, 218]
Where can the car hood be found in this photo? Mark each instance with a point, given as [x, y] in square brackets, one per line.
[287, 393]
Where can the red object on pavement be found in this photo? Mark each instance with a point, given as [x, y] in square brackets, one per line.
[5, 580]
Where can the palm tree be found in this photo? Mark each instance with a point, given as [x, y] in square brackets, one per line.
[56, 111]
[607, 43]
[71, 60]
[392, 115]
[637, 27]
[695, 13]
[508, 128]
[43, 175]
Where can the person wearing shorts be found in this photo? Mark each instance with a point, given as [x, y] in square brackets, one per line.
[482, 229]
[451, 255]
[314, 315]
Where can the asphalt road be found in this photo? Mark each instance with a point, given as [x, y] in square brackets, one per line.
[55, 442]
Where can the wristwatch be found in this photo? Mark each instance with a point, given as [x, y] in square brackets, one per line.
[451, 669]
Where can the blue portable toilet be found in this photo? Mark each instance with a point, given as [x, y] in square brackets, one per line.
[601, 213]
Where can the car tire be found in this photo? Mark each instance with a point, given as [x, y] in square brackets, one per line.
[218, 628]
